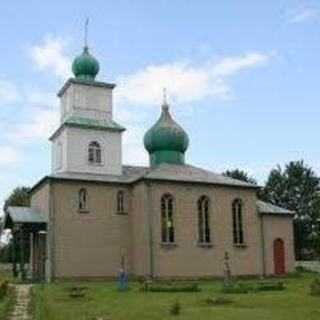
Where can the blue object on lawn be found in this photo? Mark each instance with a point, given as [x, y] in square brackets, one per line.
[122, 280]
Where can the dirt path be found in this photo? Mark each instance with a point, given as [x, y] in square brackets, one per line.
[20, 310]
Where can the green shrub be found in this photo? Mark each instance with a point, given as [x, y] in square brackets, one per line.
[315, 287]
[145, 284]
[77, 291]
[171, 287]
[270, 286]
[3, 289]
[7, 303]
[237, 288]
[294, 274]
[300, 269]
[247, 287]
[175, 308]
[218, 301]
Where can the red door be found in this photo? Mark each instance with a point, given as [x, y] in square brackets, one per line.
[279, 257]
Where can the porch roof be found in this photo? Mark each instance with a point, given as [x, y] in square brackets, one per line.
[24, 215]
[269, 208]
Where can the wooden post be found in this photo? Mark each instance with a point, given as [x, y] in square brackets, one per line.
[31, 258]
[22, 254]
[14, 254]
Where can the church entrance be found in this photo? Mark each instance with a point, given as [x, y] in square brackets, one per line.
[279, 257]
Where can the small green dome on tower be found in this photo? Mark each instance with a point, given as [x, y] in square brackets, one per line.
[85, 66]
[166, 141]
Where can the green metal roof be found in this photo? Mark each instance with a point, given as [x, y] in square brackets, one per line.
[93, 123]
[23, 215]
[85, 66]
[87, 123]
[166, 141]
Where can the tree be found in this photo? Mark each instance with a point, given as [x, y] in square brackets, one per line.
[239, 175]
[19, 197]
[296, 187]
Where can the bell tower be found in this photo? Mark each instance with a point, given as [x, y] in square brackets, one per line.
[88, 140]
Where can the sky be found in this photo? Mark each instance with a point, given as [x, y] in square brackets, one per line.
[242, 78]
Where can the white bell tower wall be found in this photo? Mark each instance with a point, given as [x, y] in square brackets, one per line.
[86, 118]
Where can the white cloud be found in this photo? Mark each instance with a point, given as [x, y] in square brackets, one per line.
[186, 81]
[229, 66]
[8, 92]
[133, 150]
[50, 56]
[8, 155]
[38, 116]
[40, 98]
[40, 125]
[303, 14]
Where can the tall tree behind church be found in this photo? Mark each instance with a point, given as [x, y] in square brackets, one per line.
[296, 187]
[239, 175]
[19, 197]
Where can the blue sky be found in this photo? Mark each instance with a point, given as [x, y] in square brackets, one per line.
[242, 78]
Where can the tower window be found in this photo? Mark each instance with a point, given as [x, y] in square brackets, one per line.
[167, 227]
[203, 220]
[237, 221]
[94, 153]
[82, 200]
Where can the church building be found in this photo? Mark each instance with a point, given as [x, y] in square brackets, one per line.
[92, 215]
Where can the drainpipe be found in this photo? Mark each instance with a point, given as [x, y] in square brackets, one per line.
[50, 263]
[150, 230]
[263, 246]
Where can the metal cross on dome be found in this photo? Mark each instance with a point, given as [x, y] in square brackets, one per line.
[164, 99]
[164, 90]
[86, 24]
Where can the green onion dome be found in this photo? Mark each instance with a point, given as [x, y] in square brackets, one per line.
[85, 66]
[166, 141]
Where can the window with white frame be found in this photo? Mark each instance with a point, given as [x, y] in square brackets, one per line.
[167, 227]
[237, 221]
[120, 202]
[94, 153]
[203, 220]
[82, 200]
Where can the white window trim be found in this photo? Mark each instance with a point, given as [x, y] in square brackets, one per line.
[95, 164]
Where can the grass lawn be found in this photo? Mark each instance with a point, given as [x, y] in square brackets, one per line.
[52, 302]
[5, 307]
[6, 302]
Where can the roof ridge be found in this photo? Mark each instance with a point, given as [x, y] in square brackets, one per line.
[222, 175]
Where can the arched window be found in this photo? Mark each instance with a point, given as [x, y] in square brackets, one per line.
[237, 221]
[82, 200]
[94, 153]
[120, 201]
[203, 220]
[167, 227]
